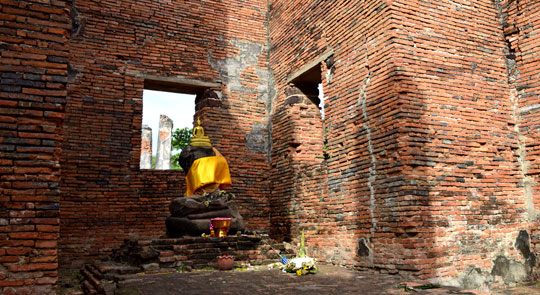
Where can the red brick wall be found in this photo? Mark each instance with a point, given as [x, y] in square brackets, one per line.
[297, 153]
[352, 195]
[33, 76]
[105, 197]
[460, 139]
[431, 127]
[424, 174]
[519, 21]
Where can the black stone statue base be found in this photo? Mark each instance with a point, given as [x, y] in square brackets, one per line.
[180, 226]
[191, 215]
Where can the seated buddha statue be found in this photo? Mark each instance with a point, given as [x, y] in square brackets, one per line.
[207, 170]
[207, 174]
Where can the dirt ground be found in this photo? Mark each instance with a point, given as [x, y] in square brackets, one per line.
[330, 280]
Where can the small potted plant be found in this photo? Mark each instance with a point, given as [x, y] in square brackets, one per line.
[225, 262]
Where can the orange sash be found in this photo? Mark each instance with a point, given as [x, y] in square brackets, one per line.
[205, 171]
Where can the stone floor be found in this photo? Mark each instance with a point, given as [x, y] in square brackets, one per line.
[330, 280]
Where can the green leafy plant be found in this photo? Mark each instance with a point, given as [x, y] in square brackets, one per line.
[302, 250]
[208, 268]
[180, 139]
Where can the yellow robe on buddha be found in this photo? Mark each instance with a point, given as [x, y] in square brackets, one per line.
[205, 171]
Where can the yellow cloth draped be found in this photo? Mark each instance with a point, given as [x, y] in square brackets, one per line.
[206, 171]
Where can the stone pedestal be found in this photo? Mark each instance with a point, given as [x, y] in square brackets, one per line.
[199, 252]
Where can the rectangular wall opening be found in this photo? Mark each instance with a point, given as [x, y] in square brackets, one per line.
[167, 123]
[309, 82]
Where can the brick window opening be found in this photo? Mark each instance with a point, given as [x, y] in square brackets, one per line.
[307, 83]
[163, 113]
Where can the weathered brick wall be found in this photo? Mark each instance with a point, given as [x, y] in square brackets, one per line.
[351, 197]
[297, 153]
[431, 128]
[425, 174]
[520, 21]
[460, 140]
[105, 197]
[33, 67]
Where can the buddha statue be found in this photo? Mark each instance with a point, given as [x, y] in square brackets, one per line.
[207, 174]
[206, 168]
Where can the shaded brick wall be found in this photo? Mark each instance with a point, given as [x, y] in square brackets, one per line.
[425, 174]
[105, 197]
[33, 75]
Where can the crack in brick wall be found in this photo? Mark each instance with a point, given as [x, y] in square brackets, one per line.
[373, 169]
